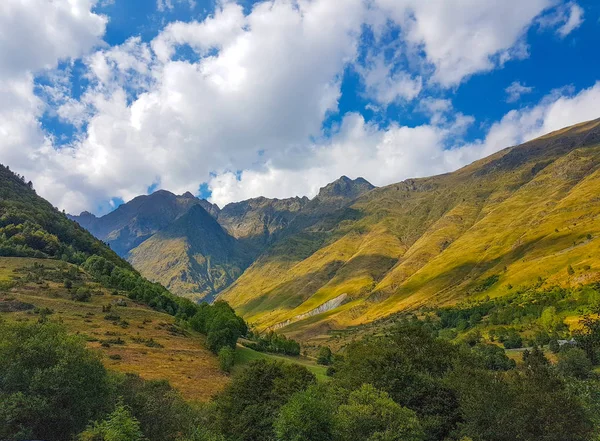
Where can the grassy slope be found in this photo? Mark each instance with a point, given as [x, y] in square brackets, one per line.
[523, 213]
[244, 355]
[183, 360]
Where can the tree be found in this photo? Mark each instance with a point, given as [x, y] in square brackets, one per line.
[226, 359]
[494, 357]
[573, 362]
[249, 405]
[160, 410]
[410, 365]
[308, 415]
[588, 337]
[324, 356]
[119, 426]
[51, 386]
[371, 415]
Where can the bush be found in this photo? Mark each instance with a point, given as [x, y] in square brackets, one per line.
[325, 356]
[226, 359]
[82, 295]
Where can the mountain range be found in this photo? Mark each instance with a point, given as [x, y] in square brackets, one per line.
[355, 253]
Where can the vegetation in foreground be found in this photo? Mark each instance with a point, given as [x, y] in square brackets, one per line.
[405, 385]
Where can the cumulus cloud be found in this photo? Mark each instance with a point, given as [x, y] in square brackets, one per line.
[245, 112]
[386, 156]
[37, 35]
[467, 37]
[515, 90]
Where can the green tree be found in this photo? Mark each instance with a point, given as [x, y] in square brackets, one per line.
[118, 426]
[51, 386]
[226, 359]
[160, 410]
[325, 356]
[588, 337]
[308, 415]
[249, 405]
[371, 415]
[410, 365]
[574, 362]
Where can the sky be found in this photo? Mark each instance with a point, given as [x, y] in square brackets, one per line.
[104, 100]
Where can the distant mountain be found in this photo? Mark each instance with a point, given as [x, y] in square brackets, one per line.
[518, 217]
[257, 221]
[194, 256]
[196, 249]
[132, 223]
[344, 188]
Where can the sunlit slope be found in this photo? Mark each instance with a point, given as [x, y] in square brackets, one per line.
[507, 220]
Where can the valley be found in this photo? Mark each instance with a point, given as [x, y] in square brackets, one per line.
[501, 223]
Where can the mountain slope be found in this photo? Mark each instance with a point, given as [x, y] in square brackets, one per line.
[526, 212]
[132, 223]
[194, 256]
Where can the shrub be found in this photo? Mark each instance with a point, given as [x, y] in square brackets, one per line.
[82, 295]
[226, 359]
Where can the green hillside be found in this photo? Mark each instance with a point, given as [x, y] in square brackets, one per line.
[524, 213]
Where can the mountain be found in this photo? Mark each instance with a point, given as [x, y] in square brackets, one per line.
[195, 249]
[194, 256]
[132, 223]
[256, 221]
[524, 214]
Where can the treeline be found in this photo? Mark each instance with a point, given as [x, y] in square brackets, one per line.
[273, 343]
[539, 311]
[410, 385]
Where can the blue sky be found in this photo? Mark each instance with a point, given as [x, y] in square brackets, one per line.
[277, 98]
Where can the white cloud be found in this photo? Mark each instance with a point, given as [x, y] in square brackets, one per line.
[166, 5]
[255, 97]
[386, 85]
[268, 88]
[515, 90]
[37, 34]
[574, 20]
[563, 19]
[397, 153]
[465, 37]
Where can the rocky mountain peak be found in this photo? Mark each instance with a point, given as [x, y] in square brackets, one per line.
[345, 187]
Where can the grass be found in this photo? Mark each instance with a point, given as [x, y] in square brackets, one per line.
[178, 355]
[244, 355]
